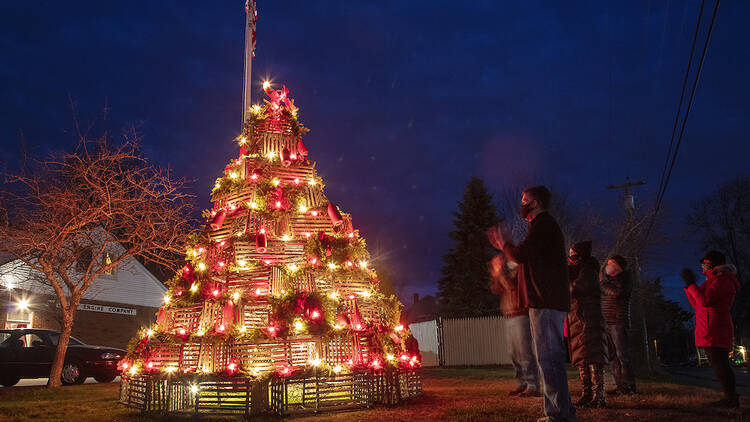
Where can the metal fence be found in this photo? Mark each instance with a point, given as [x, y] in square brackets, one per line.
[462, 341]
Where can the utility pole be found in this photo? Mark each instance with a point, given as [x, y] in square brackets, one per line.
[628, 204]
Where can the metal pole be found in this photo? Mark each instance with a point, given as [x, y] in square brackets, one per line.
[251, 16]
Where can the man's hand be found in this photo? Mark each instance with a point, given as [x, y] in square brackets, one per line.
[495, 236]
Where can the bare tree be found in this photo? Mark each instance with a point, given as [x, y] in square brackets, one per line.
[75, 216]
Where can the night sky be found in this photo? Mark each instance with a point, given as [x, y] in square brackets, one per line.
[406, 100]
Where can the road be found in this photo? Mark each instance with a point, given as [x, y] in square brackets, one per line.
[43, 381]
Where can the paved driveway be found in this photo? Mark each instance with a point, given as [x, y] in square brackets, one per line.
[43, 381]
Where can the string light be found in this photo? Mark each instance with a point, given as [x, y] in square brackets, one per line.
[399, 328]
[242, 140]
[314, 362]
[315, 314]
[194, 287]
[285, 238]
[337, 369]
[266, 85]
[236, 296]
[332, 266]
[293, 267]
[363, 264]
[254, 205]
[194, 389]
[170, 369]
[166, 299]
[149, 332]
[275, 182]
[201, 266]
[133, 370]
[333, 295]
[312, 182]
[233, 175]
[302, 208]
[270, 155]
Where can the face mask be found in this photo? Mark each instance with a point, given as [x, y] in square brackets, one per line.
[526, 209]
[611, 270]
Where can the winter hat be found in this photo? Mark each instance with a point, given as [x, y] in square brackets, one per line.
[582, 249]
[715, 257]
[620, 261]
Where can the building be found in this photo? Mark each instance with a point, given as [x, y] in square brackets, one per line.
[112, 310]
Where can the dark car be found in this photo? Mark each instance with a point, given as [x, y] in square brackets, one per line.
[28, 353]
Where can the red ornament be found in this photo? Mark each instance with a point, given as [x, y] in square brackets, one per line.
[301, 150]
[218, 220]
[334, 215]
[261, 243]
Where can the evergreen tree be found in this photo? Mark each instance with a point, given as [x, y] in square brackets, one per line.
[463, 289]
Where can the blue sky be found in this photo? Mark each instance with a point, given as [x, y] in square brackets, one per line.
[406, 100]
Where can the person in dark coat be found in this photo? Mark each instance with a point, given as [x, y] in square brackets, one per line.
[617, 289]
[714, 330]
[588, 342]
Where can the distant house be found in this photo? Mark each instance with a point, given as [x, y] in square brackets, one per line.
[421, 309]
[114, 307]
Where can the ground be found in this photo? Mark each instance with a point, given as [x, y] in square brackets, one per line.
[477, 394]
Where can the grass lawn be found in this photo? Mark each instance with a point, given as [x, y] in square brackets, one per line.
[449, 395]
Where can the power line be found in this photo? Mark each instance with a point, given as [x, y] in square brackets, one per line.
[682, 97]
[669, 164]
[689, 106]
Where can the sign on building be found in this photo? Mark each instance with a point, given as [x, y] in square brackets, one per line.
[106, 309]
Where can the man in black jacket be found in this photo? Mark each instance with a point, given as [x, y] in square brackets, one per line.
[547, 296]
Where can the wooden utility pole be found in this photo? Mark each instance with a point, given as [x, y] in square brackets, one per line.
[628, 204]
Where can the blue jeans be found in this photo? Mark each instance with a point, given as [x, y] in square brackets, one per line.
[518, 336]
[547, 333]
[619, 357]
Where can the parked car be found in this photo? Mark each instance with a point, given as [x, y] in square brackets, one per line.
[28, 353]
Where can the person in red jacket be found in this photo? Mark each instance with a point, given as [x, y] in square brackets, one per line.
[714, 330]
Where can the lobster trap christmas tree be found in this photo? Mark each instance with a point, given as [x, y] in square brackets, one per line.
[278, 282]
[277, 292]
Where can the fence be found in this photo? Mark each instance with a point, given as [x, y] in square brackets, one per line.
[462, 341]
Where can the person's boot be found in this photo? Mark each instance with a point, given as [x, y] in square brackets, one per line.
[731, 402]
[597, 375]
[584, 371]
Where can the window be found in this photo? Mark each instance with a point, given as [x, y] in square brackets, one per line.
[32, 340]
[55, 337]
[84, 259]
[106, 260]
[4, 336]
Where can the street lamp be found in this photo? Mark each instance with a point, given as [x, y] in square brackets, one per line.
[22, 304]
